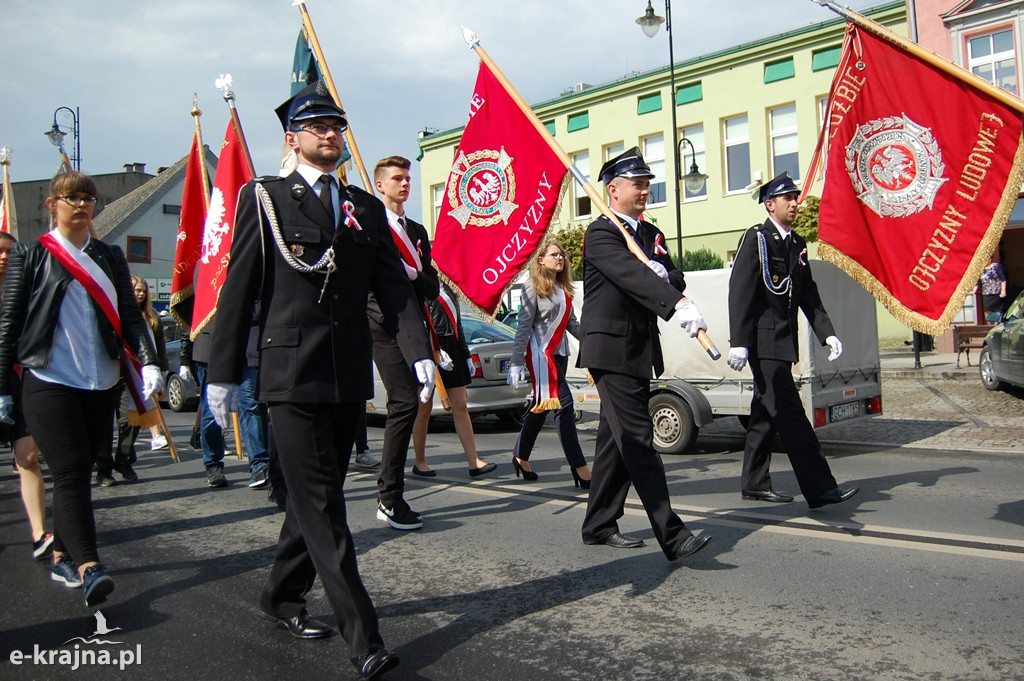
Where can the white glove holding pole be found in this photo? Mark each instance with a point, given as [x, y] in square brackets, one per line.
[186, 374]
[658, 269]
[737, 358]
[152, 380]
[690, 317]
[446, 362]
[516, 375]
[6, 407]
[835, 346]
[425, 371]
[222, 398]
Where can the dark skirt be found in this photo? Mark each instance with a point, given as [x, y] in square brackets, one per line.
[459, 375]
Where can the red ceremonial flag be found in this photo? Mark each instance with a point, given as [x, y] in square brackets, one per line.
[219, 229]
[504, 187]
[190, 233]
[924, 163]
[8, 216]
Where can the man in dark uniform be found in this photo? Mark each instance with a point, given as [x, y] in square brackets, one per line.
[391, 177]
[622, 301]
[770, 281]
[311, 257]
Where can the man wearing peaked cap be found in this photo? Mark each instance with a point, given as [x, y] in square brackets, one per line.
[619, 344]
[311, 252]
[770, 281]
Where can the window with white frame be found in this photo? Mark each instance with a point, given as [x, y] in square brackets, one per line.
[695, 134]
[580, 200]
[437, 198]
[736, 148]
[609, 152]
[993, 57]
[784, 140]
[653, 149]
[822, 101]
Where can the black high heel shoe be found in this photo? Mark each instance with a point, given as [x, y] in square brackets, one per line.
[527, 475]
[578, 481]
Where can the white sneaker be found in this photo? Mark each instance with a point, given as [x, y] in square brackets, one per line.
[159, 442]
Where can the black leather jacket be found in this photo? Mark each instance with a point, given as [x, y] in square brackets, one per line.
[33, 293]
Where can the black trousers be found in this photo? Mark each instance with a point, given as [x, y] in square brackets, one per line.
[565, 423]
[314, 442]
[403, 403]
[124, 452]
[71, 427]
[776, 407]
[625, 453]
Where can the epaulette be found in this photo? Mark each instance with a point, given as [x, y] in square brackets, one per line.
[263, 179]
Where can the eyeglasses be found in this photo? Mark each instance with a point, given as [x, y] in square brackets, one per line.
[321, 130]
[79, 200]
[558, 256]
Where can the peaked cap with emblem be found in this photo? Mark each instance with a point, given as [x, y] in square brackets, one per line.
[627, 164]
[781, 184]
[312, 101]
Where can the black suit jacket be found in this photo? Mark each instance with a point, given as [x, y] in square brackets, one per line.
[425, 288]
[622, 300]
[311, 350]
[761, 321]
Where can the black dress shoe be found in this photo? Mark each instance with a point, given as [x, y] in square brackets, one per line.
[428, 473]
[619, 541]
[376, 663]
[692, 545]
[767, 495]
[483, 470]
[301, 626]
[833, 496]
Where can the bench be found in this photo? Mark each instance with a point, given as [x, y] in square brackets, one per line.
[967, 336]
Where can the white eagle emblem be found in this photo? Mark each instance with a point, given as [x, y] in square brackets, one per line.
[215, 228]
[482, 188]
[895, 166]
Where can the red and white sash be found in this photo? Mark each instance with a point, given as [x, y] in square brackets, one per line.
[97, 284]
[411, 256]
[540, 356]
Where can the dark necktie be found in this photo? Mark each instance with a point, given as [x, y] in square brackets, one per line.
[401, 223]
[327, 195]
[636, 238]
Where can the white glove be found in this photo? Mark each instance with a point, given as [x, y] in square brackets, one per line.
[152, 380]
[690, 317]
[446, 362]
[425, 371]
[186, 374]
[836, 346]
[470, 366]
[6, 407]
[222, 398]
[410, 272]
[516, 375]
[737, 358]
[658, 269]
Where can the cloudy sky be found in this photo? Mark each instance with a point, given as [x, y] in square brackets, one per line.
[401, 66]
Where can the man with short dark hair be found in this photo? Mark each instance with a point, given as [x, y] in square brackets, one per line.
[770, 281]
[311, 252]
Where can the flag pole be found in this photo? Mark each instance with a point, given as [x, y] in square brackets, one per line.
[925, 55]
[196, 114]
[11, 217]
[474, 43]
[350, 138]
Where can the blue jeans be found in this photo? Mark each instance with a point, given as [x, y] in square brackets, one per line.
[250, 422]
[210, 433]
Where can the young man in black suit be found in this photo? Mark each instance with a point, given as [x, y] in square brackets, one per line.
[770, 281]
[623, 299]
[311, 252]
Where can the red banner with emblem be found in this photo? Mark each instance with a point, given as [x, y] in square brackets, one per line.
[923, 168]
[504, 188]
[8, 216]
[190, 233]
[232, 173]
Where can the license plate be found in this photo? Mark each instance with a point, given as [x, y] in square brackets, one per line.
[504, 366]
[841, 412]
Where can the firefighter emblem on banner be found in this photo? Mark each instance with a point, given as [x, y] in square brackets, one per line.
[895, 165]
[482, 188]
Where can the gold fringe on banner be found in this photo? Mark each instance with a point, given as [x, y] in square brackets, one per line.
[982, 254]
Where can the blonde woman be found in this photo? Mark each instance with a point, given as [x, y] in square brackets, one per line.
[544, 318]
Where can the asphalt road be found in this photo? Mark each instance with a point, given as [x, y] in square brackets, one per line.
[918, 577]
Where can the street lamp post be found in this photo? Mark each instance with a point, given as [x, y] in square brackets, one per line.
[57, 136]
[694, 180]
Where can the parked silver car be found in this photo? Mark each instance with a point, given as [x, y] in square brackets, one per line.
[490, 344]
[1002, 357]
[179, 394]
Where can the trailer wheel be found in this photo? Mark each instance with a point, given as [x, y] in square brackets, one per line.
[674, 429]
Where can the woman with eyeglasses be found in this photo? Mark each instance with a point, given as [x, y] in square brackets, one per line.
[545, 316]
[68, 318]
